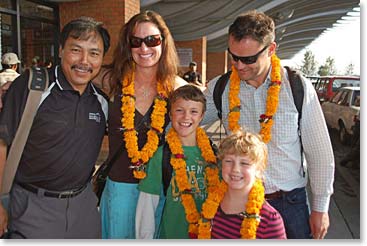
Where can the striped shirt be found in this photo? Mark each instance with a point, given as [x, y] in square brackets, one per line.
[284, 170]
[227, 226]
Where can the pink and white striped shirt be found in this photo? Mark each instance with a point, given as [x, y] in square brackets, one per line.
[227, 226]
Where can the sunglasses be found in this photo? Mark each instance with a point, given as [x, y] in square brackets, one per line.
[150, 41]
[247, 59]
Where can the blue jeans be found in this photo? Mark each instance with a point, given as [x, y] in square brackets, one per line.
[295, 213]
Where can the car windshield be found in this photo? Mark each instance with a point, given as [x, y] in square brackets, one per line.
[344, 82]
[356, 99]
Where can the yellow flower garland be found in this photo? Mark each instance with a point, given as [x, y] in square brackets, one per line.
[179, 165]
[251, 218]
[140, 158]
[272, 100]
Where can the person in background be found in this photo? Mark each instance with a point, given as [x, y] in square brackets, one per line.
[9, 62]
[138, 81]
[52, 195]
[193, 76]
[193, 170]
[242, 211]
[36, 61]
[49, 64]
[258, 97]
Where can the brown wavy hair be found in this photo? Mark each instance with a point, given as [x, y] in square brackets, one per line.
[122, 64]
[254, 24]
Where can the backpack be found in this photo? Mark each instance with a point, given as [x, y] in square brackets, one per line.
[38, 82]
[166, 164]
[295, 81]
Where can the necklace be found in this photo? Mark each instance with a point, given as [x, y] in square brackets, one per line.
[179, 165]
[251, 216]
[140, 158]
[272, 100]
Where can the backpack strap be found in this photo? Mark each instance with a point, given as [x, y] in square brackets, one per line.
[167, 167]
[298, 92]
[38, 82]
[295, 81]
[218, 92]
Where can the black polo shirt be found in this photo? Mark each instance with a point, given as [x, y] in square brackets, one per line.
[66, 135]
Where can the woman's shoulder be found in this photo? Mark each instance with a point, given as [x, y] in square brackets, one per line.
[179, 82]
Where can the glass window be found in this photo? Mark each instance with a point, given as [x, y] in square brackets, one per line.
[37, 42]
[344, 82]
[336, 97]
[6, 4]
[31, 9]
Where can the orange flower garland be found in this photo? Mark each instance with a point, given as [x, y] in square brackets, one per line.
[139, 158]
[179, 165]
[251, 218]
[272, 100]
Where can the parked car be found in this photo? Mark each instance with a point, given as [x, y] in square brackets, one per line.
[326, 86]
[313, 79]
[342, 111]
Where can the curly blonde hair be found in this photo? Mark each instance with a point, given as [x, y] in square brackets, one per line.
[242, 142]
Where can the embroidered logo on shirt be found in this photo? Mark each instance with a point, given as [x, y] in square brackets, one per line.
[95, 116]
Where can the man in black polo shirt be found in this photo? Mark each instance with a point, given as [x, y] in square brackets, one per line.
[193, 76]
[52, 196]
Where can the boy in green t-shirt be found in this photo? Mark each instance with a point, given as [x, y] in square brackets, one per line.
[194, 170]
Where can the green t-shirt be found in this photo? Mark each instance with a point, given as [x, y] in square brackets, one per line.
[173, 224]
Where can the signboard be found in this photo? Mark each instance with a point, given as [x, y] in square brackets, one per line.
[185, 56]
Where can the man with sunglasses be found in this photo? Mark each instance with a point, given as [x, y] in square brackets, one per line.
[250, 92]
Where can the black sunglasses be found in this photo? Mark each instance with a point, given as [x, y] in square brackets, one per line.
[247, 59]
[150, 41]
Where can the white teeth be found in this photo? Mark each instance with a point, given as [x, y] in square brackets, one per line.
[185, 124]
[236, 178]
[146, 56]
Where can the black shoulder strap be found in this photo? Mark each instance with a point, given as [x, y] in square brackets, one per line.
[166, 167]
[166, 164]
[218, 92]
[297, 90]
[295, 81]
[38, 79]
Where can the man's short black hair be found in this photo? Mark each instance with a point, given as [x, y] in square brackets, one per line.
[193, 63]
[81, 28]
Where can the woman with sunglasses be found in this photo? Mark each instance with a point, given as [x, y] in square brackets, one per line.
[258, 97]
[138, 81]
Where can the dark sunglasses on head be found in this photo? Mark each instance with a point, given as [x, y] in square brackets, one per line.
[150, 41]
[247, 59]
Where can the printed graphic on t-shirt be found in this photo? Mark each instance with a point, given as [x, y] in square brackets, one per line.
[195, 174]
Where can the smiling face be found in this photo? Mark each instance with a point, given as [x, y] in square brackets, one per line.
[145, 56]
[239, 172]
[81, 60]
[186, 116]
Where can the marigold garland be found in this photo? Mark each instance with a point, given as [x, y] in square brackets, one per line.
[251, 215]
[140, 158]
[179, 165]
[272, 100]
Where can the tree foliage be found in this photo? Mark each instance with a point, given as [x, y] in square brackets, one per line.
[349, 69]
[309, 64]
[328, 68]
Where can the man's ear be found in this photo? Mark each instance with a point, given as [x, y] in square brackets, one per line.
[272, 48]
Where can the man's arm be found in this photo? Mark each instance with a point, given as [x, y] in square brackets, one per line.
[3, 212]
[320, 160]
